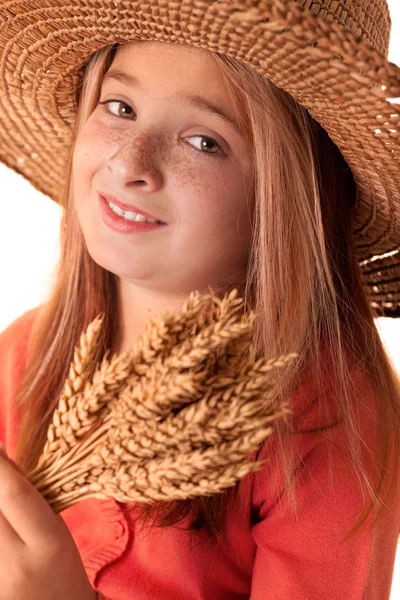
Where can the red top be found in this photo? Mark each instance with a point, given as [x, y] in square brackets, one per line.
[272, 557]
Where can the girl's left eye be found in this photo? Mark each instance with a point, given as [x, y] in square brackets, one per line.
[109, 112]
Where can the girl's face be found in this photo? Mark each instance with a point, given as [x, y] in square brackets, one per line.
[178, 161]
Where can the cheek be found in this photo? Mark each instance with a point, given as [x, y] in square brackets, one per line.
[212, 208]
[216, 192]
[89, 151]
[86, 162]
[202, 178]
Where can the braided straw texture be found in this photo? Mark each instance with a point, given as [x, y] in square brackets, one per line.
[330, 55]
[175, 417]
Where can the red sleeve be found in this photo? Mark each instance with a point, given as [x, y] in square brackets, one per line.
[301, 557]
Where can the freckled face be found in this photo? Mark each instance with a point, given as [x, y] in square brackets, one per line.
[150, 151]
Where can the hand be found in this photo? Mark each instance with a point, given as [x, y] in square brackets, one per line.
[39, 559]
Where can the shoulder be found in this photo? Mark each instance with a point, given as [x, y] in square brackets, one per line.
[14, 340]
[320, 406]
[19, 329]
[318, 436]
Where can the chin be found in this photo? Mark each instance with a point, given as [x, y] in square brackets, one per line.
[104, 257]
[100, 258]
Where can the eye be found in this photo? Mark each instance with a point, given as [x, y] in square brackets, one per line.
[109, 111]
[210, 142]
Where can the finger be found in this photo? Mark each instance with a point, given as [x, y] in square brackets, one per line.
[8, 536]
[25, 509]
[4, 453]
[17, 467]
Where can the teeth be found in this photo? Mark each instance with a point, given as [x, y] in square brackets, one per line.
[131, 216]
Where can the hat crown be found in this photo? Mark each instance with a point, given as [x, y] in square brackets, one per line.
[330, 56]
[369, 18]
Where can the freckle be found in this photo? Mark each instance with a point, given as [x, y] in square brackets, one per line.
[158, 151]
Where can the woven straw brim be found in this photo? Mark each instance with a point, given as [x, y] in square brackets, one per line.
[342, 77]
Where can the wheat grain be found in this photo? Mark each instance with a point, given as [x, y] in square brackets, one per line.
[174, 417]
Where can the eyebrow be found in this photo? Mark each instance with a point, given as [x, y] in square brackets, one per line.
[181, 97]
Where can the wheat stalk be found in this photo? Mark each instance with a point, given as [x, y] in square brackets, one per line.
[73, 416]
[174, 417]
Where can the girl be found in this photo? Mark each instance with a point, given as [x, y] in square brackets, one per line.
[246, 131]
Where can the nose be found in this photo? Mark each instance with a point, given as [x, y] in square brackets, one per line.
[136, 162]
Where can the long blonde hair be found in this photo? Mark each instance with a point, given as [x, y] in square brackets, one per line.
[303, 280]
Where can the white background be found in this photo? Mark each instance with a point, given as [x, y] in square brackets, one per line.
[29, 249]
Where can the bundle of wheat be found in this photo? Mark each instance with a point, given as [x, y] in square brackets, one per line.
[177, 416]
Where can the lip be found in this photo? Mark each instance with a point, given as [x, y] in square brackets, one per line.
[128, 207]
[117, 223]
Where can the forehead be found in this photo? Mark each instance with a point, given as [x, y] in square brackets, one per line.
[166, 61]
[158, 48]
[176, 72]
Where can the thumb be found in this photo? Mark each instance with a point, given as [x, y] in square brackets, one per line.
[4, 453]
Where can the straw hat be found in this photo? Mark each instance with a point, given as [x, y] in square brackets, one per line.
[331, 56]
